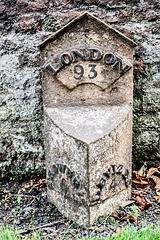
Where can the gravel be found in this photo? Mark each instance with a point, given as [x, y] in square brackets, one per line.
[26, 206]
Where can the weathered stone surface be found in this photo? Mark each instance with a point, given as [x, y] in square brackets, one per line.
[87, 89]
[88, 124]
[88, 178]
[21, 141]
[110, 91]
[19, 38]
[67, 177]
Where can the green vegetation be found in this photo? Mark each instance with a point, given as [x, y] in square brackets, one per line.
[134, 211]
[9, 233]
[131, 233]
[149, 232]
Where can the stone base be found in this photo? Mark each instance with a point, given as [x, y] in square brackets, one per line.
[108, 206]
[86, 215]
[88, 152]
[69, 208]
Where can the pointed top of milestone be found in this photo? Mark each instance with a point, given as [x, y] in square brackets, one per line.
[79, 18]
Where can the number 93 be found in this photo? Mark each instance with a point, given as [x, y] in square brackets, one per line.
[79, 71]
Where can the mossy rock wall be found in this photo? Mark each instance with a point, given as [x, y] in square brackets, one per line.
[23, 25]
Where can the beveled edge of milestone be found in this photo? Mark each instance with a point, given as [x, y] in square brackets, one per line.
[73, 22]
[88, 124]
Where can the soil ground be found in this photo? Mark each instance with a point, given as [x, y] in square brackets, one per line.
[26, 206]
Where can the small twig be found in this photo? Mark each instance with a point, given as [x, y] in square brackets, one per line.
[49, 229]
[36, 185]
[30, 202]
[42, 226]
[20, 195]
[50, 224]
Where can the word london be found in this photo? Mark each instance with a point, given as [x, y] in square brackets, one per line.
[89, 54]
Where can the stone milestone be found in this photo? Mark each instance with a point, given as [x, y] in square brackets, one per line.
[88, 94]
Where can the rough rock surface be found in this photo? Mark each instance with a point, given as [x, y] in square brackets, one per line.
[23, 24]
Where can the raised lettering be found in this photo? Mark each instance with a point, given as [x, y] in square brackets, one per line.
[79, 70]
[54, 71]
[119, 169]
[55, 169]
[66, 59]
[92, 71]
[109, 58]
[101, 183]
[94, 54]
[107, 173]
[76, 54]
[76, 182]
[120, 63]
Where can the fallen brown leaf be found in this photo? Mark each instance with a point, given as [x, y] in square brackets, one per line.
[154, 173]
[6, 191]
[157, 198]
[42, 180]
[143, 202]
[130, 217]
[62, 222]
[140, 180]
[33, 184]
[121, 218]
[158, 192]
[116, 215]
[136, 192]
[92, 227]
[138, 176]
[29, 184]
[21, 190]
[55, 235]
[140, 183]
